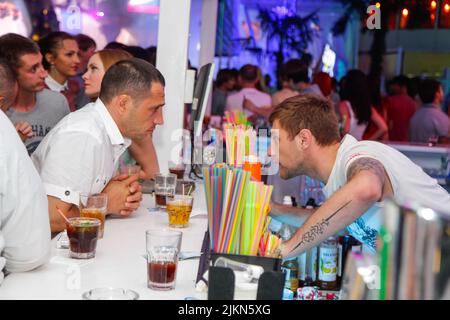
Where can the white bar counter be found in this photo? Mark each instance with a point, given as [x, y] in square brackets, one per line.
[118, 262]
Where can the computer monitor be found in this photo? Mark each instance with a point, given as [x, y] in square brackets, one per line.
[202, 89]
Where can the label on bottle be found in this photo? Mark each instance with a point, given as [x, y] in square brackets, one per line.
[357, 248]
[328, 264]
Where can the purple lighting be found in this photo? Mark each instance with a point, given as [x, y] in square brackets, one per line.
[100, 14]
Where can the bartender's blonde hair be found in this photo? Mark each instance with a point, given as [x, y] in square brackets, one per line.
[308, 111]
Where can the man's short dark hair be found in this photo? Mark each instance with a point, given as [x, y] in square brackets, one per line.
[249, 72]
[133, 77]
[297, 71]
[7, 82]
[85, 42]
[223, 76]
[13, 47]
[428, 89]
[402, 81]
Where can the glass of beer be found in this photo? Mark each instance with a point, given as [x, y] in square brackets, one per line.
[164, 187]
[94, 205]
[179, 208]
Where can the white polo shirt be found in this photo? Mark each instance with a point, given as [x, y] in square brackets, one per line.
[24, 222]
[80, 154]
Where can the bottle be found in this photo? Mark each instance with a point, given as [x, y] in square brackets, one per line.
[311, 204]
[287, 201]
[302, 269]
[290, 267]
[311, 267]
[346, 244]
[327, 264]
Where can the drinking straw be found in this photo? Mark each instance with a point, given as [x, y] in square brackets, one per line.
[190, 190]
[232, 212]
[240, 204]
[63, 215]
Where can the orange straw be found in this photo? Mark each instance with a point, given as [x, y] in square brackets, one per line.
[62, 215]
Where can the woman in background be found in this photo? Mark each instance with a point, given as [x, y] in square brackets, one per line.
[143, 151]
[356, 107]
[60, 58]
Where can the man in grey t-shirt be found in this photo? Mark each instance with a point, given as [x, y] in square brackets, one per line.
[429, 121]
[40, 108]
[49, 109]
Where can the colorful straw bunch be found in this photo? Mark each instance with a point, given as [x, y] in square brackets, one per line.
[240, 142]
[236, 118]
[269, 245]
[237, 209]
[254, 221]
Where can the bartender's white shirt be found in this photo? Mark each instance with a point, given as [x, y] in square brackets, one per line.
[24, 221]
[80, 154]
[409, 183]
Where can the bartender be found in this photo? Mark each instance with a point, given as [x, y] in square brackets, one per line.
[358, 175]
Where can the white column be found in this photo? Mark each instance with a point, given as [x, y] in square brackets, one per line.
[208, 37]
[171, 60]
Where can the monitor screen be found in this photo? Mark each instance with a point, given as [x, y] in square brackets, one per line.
[200, 99]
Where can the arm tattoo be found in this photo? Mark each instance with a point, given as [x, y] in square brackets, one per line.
[318, 228]
[369, 164]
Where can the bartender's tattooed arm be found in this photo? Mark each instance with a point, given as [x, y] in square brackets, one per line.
[318, 229]
[370, 164]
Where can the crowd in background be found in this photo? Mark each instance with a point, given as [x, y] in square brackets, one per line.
[412, 110]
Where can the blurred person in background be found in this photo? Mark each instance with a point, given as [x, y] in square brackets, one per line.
[429, 122]
[87, 48]
[356, 107]
[379, 103]
[400, 108]
[60, 59]
[248, 80]
[225, 83]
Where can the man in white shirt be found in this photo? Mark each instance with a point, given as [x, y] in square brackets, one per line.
[24, 225]
[248, 78]
[81, 153]
[358, 176]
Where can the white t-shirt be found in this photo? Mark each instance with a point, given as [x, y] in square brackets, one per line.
[24, 221]
[409, 183]
[259, 98]
[80, 154]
